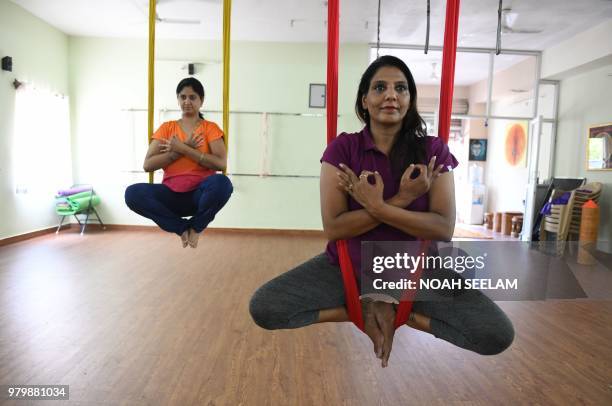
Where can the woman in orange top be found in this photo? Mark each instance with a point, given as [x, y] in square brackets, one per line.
[191, 151]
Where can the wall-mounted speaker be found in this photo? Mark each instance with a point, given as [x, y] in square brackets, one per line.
[7, 63]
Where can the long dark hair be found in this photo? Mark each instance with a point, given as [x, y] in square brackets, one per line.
[197, 87]
[409, 146]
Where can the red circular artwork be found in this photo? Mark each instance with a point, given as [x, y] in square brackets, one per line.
[516, 143]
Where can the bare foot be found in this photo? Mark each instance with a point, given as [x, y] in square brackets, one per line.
[185, 238]
[193, 238]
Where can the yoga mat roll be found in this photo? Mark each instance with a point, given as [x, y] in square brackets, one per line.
[64, 212]
[79, 195]
[83, 202]
[72, 191]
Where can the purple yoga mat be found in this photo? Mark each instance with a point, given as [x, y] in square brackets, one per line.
[72, 191]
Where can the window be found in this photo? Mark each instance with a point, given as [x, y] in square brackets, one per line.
[42, 160]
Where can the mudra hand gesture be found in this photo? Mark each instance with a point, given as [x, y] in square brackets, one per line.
[366, 194]
[412, 186]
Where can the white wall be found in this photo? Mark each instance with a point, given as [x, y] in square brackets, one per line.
[585, 101]
[40, 57]
[108, 75]
[584, 51]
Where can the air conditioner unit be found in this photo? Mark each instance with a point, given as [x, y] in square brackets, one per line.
[429, 105]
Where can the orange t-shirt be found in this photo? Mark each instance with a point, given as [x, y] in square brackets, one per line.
[184, 174]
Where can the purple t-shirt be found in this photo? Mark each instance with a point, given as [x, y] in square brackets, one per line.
[358, 152]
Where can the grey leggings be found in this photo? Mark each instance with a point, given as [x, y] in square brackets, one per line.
[292, 300]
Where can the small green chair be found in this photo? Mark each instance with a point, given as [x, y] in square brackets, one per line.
[82, 203]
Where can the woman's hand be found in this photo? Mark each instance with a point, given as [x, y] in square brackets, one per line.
[194, 142]
[379, 319]
[368, 195]
[415, 188]
[346, 177]
[173, 145]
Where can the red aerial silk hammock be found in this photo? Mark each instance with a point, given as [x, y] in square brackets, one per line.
[351, 293]
[333, 18]
[449, 54]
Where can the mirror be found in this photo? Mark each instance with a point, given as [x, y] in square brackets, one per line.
[599, 147]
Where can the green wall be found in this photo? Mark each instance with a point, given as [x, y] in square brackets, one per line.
[40, 57]
[109, 76]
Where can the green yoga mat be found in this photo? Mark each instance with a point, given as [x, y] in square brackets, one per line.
[82, 203]
[78, 202]
[79, 195]
[64, 212]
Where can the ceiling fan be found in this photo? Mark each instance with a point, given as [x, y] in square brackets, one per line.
[508, 20]
[175, 20]
[143, 7]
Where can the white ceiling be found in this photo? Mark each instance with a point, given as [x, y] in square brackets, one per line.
[402, 22]
[271, 20]
[469, 67]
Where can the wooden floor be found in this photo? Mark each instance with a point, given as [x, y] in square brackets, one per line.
[130, 318]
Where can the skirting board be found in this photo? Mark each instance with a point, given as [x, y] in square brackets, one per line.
[33, 234]
[213, 230]
[126, 227]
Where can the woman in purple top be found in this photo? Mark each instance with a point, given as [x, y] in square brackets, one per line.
[388, 182]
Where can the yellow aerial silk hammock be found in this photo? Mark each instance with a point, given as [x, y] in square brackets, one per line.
[227, 16]
[151, 73]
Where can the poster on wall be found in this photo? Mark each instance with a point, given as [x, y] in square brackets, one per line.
[599, 147]
[515, 144]
[478, 150]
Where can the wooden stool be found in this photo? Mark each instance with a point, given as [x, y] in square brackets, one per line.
[506, 223]
[497, 222]
[488, 220]
[517, 226]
